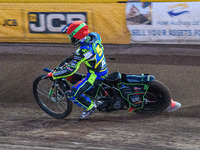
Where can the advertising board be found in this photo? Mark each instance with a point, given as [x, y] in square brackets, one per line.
[61, 1]
[42, 22]
[163, 22]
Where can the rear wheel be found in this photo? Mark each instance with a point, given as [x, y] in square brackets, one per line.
[51, 97]
[157, 99]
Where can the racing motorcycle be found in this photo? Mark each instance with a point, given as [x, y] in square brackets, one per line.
[139, 93]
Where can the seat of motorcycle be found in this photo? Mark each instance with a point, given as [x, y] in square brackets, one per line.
[133, 78]
[113, 76]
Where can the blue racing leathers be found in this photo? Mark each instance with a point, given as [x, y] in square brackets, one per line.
[91, 52]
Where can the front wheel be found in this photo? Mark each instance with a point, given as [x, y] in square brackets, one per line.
[51, 97]
[157, 99]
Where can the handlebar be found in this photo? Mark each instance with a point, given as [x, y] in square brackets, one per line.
[47, 70]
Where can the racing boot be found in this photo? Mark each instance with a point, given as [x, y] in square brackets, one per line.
[87, 113]
[173, 106]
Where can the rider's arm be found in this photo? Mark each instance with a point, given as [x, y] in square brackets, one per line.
[67, 60]
[70, 69]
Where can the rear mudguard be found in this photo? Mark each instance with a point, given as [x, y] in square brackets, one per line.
[136, 89]
[133, 93]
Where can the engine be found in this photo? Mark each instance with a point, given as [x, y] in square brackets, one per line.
[117, 103]
[107, 105]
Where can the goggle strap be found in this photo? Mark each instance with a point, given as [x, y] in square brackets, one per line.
[65, 28]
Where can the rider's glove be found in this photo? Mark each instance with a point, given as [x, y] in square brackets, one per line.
[50, 74]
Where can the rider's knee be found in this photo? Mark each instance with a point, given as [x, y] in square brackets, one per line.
[71, 94]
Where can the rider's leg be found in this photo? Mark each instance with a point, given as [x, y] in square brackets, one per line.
[76, 94]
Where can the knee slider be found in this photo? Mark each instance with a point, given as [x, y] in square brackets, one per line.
[70, 93]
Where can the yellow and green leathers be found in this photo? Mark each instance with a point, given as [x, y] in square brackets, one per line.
[91, 52]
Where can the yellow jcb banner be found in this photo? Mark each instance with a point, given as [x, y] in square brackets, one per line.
[34, 22]
[61, 1]
[169, 0]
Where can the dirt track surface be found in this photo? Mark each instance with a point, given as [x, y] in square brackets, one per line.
[23, 125]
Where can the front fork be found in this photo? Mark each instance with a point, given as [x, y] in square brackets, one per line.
[56, 94]
[51, 91]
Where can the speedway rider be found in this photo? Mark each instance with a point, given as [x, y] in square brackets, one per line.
[90, 52]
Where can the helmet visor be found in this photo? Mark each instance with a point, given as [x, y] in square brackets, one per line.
[74, 41]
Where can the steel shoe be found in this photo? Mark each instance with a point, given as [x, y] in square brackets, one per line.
[173, 106]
